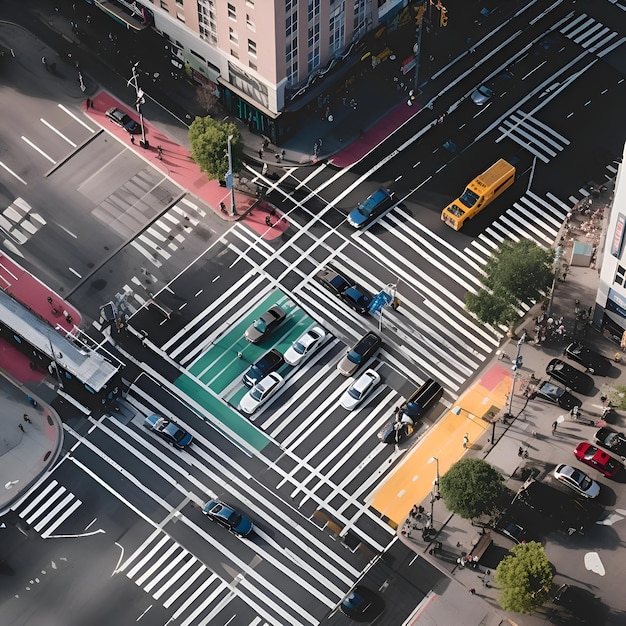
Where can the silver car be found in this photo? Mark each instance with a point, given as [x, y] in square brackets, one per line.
[482, 95]
[305, 346]
[261, 393]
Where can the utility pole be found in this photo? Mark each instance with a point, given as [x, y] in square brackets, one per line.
[139, 100]
[229, 178]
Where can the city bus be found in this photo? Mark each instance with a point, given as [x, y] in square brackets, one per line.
[479, 193]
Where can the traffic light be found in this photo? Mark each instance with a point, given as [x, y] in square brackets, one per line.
[443, 18]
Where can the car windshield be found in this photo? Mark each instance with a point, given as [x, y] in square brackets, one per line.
[260, 324]
[469, 198]
[176, 432]
[485, 91]
[234, 519]
[355, 393]
[257, 393]
[354, 356]
[299, 347]
[581, 479]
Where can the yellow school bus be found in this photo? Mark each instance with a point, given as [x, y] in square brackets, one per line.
[479, 193]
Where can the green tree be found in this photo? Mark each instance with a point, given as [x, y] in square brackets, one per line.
[518, 271]
[472, 488]
[525, 578]
[209, 146]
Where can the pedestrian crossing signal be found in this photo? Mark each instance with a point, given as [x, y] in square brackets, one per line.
[443, 18]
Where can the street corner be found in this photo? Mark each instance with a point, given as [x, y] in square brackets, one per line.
[266, 220]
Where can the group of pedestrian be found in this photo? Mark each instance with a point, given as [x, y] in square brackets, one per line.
[27, 420]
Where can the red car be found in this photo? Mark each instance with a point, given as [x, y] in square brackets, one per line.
[598, 459]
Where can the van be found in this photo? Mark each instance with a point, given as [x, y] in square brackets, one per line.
[371, 208]
[480, 192]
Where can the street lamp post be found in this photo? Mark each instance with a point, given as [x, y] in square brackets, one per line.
[139, 100]
[517, 363]
[229, 178]
[434, 458]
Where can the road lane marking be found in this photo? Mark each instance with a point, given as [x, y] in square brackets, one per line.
[57, 131]
[34, 147]
[4, 167]
[75, 117]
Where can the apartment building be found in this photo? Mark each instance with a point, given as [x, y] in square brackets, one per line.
[263, 57]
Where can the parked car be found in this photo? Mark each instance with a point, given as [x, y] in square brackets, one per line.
[482, 95]
[117, 116]
[266, 324]
[228, 517]
[168, 430]
[269, 362]
[362, 350]
[357, 298]
[303, 347]
[359, 389]
[371, 208]
[592, 361]
[508, 526]
[612, 440]
[405, 417]
[568, 513]
[578, 481]
[598, 459]
[569, 376]
[261, 393]
[362, 604]
[557, 395]
[333, 281]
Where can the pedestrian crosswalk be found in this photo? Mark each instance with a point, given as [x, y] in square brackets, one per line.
[20, 222]
[177, 579]
[47, 507]
[592, 35]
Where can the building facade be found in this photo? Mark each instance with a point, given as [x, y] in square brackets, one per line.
[610, 310]
[262, 56]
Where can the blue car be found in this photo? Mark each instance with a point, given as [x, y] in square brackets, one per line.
[168, 430]
[369, 210]
[227, 517]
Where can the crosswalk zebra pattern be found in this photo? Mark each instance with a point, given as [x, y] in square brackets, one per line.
[592, 35]
[530, 133]
[20, 222]
[177, 579]
[165, 236]
[47, 508]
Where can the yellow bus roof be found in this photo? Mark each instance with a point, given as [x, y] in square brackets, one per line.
[500, 169]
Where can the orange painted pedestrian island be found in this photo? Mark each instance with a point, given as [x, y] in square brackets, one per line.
[472, 414]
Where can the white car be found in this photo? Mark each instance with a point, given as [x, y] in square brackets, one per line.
[359, 389]
[577, 480]
[261, 392]
[303, 347]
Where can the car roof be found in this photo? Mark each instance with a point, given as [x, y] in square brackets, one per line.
[364, 380]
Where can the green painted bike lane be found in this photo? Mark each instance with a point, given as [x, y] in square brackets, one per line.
[221, 364]
[223, 413]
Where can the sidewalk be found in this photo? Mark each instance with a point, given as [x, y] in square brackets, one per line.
[28, 448]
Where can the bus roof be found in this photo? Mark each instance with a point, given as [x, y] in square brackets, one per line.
[500, 169]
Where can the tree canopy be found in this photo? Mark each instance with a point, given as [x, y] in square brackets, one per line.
[209, 146]
[471, 488]
[518, 271]
[525, 578]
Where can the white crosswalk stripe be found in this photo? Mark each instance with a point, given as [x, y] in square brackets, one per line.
[532, 134]
[161, 565]
[46, 509]
[592, 35]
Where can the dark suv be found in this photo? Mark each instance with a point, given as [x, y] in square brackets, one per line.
[267, 364]
[117, 116]
[362, 350]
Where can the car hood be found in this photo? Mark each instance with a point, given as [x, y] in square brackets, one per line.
[248, 404]
[356, 217]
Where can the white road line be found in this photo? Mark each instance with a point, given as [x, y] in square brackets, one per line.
[48, 531]
[58, 132]
[61, 505]
[75, 117]
[6, 169]
[37, 149]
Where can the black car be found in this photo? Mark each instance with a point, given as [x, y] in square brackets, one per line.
[117, 116]
[509, 527]
[553, 393]
[335, 282]
[424, 398]
[593, 362]
[228, 517]
[569, 376]
[266, 324]
[362, 604]
[362, 350]
[612, 440]
[267, 364]
[357, 298]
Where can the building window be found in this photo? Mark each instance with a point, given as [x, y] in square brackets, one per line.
[207, 24]
[250, 3]
[336, 29]
[250, 23]
[252, 47]
[620, 272]
[180, 16]
[180, 2]
[164, 6]
[253, 66]
[232, 12]
[232, 35]
[234, 53]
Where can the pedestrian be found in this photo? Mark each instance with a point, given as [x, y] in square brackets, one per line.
[520, 451]
[89, 103]
[261, 153]
[21, 428]
[282, 155]
[465, 440]
[160, 152]
[278, 157]
[268, 221]
[472, 591]
[27, 419]
[554, 426]
[88, 19]
[132, 139]
[45, 62]
[222, 207]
